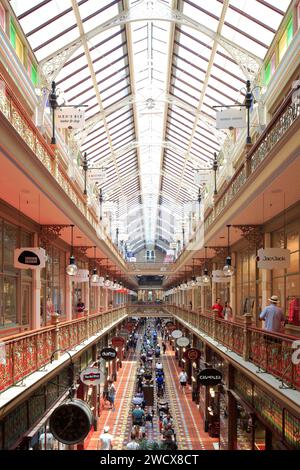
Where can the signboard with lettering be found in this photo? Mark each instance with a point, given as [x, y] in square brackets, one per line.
[82, 275]
[231, 118]
[91, 376]
[69, 118]
[192, 354]
[108, 354]
[29, 258]
[210, 377]
[182, 342]
[218, 276]
[273, 258]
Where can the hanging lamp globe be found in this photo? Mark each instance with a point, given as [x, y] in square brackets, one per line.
[228, 270]
[72, 269]
[95, 278]
[205, 278]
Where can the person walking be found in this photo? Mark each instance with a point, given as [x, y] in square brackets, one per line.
[133, 444]
[218, 307]
[273, 316]
[105, 440]
[183, 379]
[138, 415]
[112, 395]
[164, 346]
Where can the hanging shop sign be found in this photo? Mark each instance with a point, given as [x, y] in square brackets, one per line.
[69, 118]
[273, 258]
[202, 177]
[169, 323]
[182, 342]
[91, 376]
[97, 175]
[231, 118]
[108, 354]
[71, 422]
[82, 276]
[29, 258]
[210, 377]
[118, 341]
[177, 334]
[218, 276]
[192, 354]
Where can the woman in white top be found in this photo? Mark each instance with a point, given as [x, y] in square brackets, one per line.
[227, 311]
[182, 380]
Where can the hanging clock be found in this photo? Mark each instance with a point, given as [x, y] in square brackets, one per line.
[71, 422]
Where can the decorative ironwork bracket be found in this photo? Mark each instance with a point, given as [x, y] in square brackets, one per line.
[253, 234]
[50, 233]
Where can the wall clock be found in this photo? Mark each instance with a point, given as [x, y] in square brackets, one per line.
[71, 422]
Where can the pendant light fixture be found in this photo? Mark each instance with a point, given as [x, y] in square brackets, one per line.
[72, 269]
[205, 278]
[228, 270]
[193, 283]
[94, 277]
[107, 282]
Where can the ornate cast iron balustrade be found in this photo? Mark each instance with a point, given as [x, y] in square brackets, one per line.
[281, 123]
[272, 353]
[27, 353]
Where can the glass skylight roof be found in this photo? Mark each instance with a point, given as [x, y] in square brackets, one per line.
[150, 87]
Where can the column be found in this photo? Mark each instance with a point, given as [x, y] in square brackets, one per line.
[35, 315]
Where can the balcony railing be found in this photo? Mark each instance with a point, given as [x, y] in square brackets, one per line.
[272, 353]
[24, 354]
[287, 114]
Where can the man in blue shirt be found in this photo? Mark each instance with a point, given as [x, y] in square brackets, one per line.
[273, 316]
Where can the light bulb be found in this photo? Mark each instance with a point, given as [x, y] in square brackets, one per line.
[94, 277]
[228, 270]
[205, 277]
[72, 269]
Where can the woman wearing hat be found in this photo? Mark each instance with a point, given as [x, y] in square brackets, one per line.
[273, 316]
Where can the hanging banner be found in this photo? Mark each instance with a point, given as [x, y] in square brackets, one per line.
[82, 275]
[273, 258]
[218, 276]
[177, 334]
[69, 118]
[91, 376]
[192, 354]
[231, 118]
[29, 258]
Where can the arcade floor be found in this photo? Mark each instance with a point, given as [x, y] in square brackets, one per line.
[188, 423]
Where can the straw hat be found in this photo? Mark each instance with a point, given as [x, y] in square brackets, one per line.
[274, 299]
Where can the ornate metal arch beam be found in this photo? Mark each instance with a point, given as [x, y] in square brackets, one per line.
[144, 11]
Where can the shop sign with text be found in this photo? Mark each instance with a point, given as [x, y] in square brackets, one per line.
[273, 258]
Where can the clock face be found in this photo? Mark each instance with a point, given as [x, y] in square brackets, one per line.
[71, 422]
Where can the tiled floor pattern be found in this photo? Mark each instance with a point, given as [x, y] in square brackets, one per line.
[117, 419]
[189, 423]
